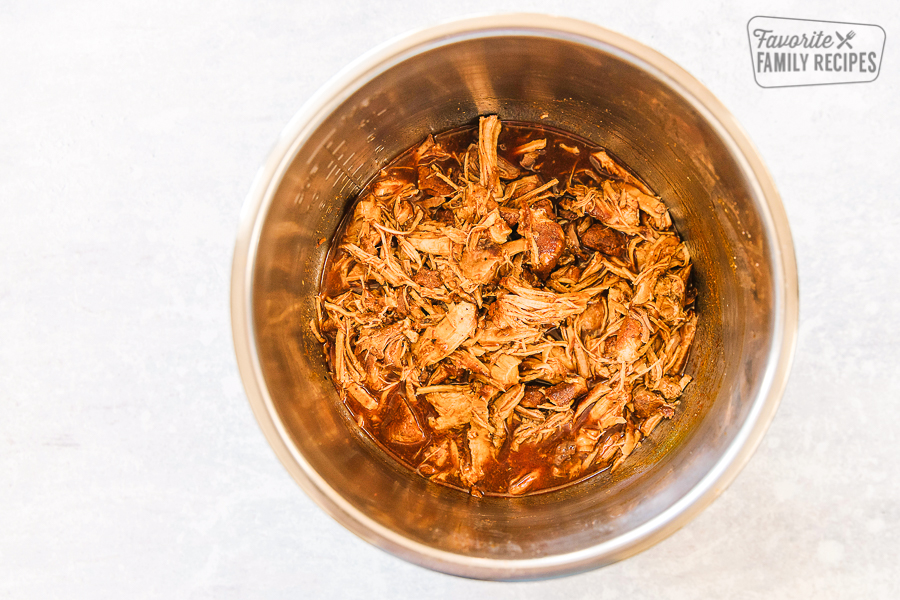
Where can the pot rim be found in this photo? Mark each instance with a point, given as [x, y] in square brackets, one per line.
[772, 214]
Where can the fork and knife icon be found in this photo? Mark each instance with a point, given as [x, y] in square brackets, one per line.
[845, 40]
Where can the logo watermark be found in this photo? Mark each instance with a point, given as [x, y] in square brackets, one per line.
[794, 52]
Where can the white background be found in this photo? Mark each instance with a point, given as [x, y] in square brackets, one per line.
[130, 463]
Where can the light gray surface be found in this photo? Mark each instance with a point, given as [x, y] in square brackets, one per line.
[130, 464]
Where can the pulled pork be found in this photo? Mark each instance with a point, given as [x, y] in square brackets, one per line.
[510, 313]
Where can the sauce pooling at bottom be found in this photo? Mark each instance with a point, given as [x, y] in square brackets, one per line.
[506, 309]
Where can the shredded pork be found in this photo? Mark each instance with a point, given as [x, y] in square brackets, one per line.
[503, 328]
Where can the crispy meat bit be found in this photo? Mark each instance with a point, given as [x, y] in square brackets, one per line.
[546, 239]
[647, 403]
[606, 240]
[428, 278]
[562, 394]
[510, 215]
[533, 397]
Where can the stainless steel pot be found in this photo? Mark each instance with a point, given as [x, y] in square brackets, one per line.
[663, 124]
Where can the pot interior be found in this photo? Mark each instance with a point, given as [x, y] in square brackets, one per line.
[608, 97]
